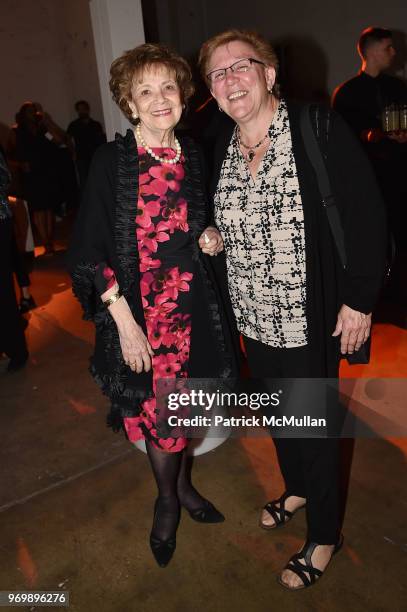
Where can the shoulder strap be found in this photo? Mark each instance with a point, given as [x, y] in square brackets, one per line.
[219, 153]
[315, 156]
[321, 117]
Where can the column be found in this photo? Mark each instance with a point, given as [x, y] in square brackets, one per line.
[117, 26]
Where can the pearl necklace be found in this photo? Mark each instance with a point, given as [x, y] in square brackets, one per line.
[251, 152]
[163, 160]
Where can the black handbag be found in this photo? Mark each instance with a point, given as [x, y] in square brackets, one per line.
[313, 149]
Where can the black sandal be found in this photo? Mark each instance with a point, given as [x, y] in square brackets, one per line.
[278, 513]
[302, 570]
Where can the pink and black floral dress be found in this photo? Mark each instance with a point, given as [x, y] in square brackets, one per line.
[166, 283]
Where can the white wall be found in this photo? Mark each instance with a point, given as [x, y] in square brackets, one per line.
[47, 55]
[79, 54]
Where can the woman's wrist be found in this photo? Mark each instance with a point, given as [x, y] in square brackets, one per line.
[121, 313]
[114, 297]
[115, 302]
[110, 292]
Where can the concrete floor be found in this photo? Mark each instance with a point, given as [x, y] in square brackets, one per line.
[76, 500]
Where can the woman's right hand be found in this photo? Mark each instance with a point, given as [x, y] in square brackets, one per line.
[136, 349]
[211, 241]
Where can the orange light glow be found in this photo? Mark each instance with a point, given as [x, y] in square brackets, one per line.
[82, 407]
[26, 563]
[353, 556]
[261, 454]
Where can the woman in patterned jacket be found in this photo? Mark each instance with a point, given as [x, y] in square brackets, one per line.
[292, 301]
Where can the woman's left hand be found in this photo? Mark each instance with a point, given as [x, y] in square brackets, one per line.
[211, 241]
[354, 327]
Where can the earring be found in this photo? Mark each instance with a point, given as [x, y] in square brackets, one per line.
[221, 109]
[134, 115]
[270, 89]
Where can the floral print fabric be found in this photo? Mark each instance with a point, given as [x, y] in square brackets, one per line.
[166, 280]
[104, 278]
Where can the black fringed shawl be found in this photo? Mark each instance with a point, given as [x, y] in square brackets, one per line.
[105, 231]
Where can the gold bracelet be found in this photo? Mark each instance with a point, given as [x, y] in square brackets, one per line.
[112, 299]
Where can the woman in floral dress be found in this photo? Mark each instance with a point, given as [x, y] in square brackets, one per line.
[166, 282]
[139, 265]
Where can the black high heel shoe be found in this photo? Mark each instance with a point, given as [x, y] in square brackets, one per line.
[162, 550]
[206, 514]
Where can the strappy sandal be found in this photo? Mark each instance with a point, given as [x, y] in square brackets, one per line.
[301, 570]
[278, 513]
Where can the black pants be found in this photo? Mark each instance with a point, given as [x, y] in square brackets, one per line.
[12, 340]
[19, 265]
[309, 466]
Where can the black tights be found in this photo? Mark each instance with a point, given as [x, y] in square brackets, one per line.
[172, 473]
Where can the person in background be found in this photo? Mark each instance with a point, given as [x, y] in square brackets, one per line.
[293, 303]
[12, 339]
[361, 102]
[22, 239]
[87, 135]
[20, 269]
[66, 175]
[32, 152]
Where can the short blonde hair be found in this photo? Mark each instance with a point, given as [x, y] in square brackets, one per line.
[264, 51]
[135, 61]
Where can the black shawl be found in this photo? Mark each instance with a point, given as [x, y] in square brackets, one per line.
[105, 231]
[362, 213]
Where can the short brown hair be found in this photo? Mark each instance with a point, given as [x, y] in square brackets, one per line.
[261, 46]
[134, 61]
[370, 36]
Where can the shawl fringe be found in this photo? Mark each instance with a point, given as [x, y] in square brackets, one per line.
[126, 200]
[83, 276]
[198, 218]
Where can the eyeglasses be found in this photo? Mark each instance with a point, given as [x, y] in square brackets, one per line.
[243, 65]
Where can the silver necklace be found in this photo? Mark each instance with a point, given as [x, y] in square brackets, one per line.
[163, 160]
[252, 149]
